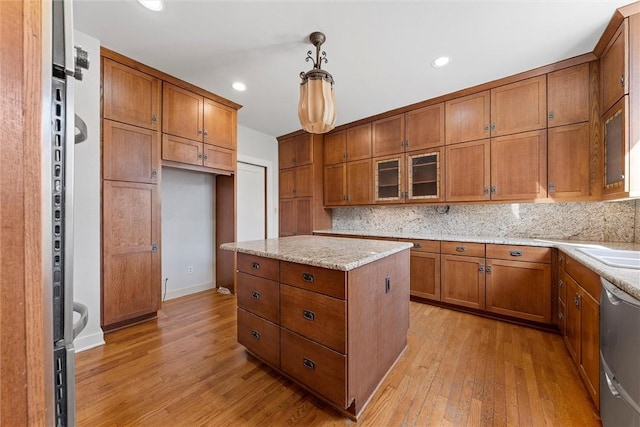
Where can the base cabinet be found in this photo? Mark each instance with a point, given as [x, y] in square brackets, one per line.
[337, 333]
[582, 330]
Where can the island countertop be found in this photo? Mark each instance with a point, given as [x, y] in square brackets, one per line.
[334, 253]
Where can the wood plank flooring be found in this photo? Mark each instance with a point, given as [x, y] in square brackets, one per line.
[186, 369]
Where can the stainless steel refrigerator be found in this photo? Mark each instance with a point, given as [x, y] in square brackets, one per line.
[63, 63]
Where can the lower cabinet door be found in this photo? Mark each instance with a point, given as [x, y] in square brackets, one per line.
[425, 275]
[572, 319]
[319, 368]
[519, 289]
[590, 344]
[259, 336]
[463, 281]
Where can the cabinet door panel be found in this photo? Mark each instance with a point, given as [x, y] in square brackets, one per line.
[424, 177]
[130, 96]
[616, 145]
[463, 281]
[568, 96]
[614, 74]
[335, 147]
[335, 185]
[359, 142]
[303, 146]
[304, 216]
[467, 171]
[519, 289]
[304, 181]
[572, 324]
[425, 127]
[287, 153]
[388, 135]
[182, 112]
[568, 160]
[287, 217]
[519, 107]
[219, 125]
[130, 153]
[388, 179]
[590, 344]
[287, 183]
[259, 296]
[425, 275]
[519, 166]
[259, 336]
[131, 241]
[359, 182]
[181, 150]
[219, 158]
[467, 118]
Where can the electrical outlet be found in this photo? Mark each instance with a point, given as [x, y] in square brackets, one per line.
[190, 269]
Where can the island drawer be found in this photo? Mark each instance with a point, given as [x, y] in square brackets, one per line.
[259, 266]
[519, 253]
[316, 279]
[259, 336]
[432, 246]
[259, 296]
[321, 369]
[463, 248]
[318, 317]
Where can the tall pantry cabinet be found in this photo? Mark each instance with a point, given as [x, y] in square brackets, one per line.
[146, 124]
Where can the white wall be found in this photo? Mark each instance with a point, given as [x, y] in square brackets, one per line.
[261, 149]
[86, 266]
[188, 231]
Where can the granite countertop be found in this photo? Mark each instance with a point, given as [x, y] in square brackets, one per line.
[627, 279]
[335, 253]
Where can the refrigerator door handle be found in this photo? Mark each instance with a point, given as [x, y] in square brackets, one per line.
[616, 388]
[80, 130]
[84, 318]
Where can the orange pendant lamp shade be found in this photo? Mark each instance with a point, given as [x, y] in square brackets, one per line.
[317, 108]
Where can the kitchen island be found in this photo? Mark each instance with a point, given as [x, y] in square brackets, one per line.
[331, 314]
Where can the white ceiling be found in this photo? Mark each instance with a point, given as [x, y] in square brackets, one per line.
[379, 52]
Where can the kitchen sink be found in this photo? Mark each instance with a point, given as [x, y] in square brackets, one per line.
[614, 257]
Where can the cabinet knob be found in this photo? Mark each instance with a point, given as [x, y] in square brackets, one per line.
[486, 128]
[560, 315]
[486, 189]
[560, 258]
[255, 335]
[255, 295]
[308, 363]
[205, 133]
[308, 277]
[154, 248]
[461, 249]
[622, 80]
[199, 131]
[255, 265]
[200, 156]
[560, 283]
[481, 268]
[488, 268]
[494, 189]
[154, 119]
[206, 157]
[308, 314]
[622, 177]
[154, 173]
[493, 126]
[552, 187]
[551, 115]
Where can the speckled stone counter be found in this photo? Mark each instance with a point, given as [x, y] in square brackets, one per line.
[335, 253]
[626, 279]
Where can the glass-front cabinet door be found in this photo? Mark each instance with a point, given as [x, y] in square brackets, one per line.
[424, 176]
[388, 176]
[615, 148]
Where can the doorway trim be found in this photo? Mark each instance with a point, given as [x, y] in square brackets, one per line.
[271, 196]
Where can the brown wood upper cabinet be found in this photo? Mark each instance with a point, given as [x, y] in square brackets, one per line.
[184, 150]
[519, 107]
[568, 161]
[189, 115]
[614, 68]
[130, 153]
[568, 96]
[348, 145]
[416, 130]
[295, 151]
[468, 118]
[130, 96]
[348, 183]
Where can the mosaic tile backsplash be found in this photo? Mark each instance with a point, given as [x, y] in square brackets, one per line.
[596, 221]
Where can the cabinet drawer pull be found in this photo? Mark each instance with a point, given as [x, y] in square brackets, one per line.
[308, 277]
[255, 265]
[309, 363]
[560, 283]
[461, 248]
[516, 253]
[560, 315]
[387, 285]
[309, 315]
[560, 258]
[255, 295]
[255, 335]
[417, 245]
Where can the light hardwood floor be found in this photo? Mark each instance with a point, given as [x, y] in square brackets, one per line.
[186, 369]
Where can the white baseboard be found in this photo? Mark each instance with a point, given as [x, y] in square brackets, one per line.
[177, 293]
[90, 341]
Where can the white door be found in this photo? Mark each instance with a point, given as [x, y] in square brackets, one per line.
[251, 202]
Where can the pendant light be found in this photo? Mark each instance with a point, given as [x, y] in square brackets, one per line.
[317, 109]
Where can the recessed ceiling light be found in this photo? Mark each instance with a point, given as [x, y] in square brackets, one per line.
[440, 62]
[155, 5]
[239, 86]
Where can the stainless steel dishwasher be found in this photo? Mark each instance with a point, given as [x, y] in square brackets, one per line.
[619, 357]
